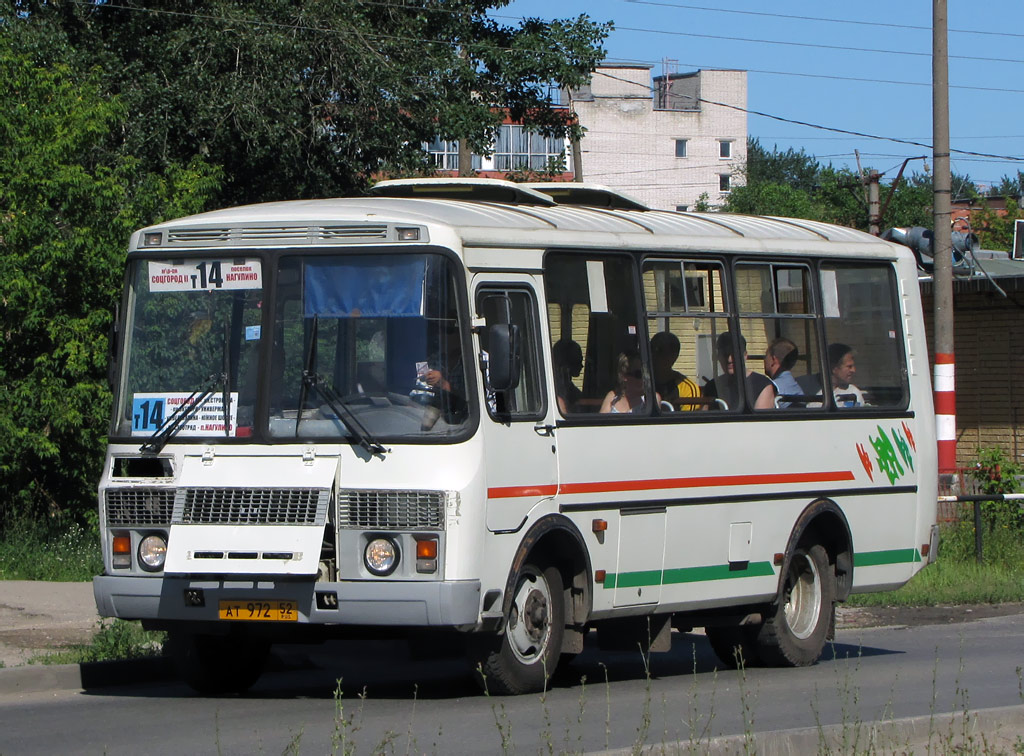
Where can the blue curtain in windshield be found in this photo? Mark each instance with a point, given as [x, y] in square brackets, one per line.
[380, 287]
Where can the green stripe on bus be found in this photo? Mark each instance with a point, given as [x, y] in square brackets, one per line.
[686, 575]
[892, 556]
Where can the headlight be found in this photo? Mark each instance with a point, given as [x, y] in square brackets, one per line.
[381, 556]
[152, 552]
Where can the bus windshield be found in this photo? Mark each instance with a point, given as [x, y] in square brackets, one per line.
[192, 331]
[367, 345]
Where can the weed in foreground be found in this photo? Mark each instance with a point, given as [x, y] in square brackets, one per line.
[114, 640]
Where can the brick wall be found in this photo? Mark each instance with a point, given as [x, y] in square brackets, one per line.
[989, 347]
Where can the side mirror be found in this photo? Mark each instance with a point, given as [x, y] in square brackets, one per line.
[504, 356]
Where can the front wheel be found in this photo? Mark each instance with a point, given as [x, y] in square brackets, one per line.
[218, 664]
[523, 658]
[795, 634]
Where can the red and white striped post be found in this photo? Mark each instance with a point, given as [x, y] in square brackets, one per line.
[944, 387]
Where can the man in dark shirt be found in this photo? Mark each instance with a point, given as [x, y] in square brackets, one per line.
[759, 390]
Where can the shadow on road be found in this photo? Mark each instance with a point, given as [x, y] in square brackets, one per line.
[385, 670]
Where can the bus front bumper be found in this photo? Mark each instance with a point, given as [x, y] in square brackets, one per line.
[381, 603]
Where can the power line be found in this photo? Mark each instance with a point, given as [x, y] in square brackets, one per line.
[831, 77]
[813, 45]
[810, 125]
[872, 24]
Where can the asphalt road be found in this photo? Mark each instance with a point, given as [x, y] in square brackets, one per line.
[390, 703]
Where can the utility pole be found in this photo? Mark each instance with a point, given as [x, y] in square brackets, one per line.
[874, 204]
[944, 371]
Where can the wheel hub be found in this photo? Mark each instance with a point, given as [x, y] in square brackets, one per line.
[529, 622]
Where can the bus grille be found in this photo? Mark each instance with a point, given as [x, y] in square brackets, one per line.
[253, 506]
[391, 509]
[139, 506]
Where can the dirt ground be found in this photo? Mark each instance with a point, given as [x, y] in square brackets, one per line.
[848, 617]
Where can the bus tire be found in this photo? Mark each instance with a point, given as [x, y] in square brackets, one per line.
[217, 664]
[524, 657]
[795, 632]
[735, 644]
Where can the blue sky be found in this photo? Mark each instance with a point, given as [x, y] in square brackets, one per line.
[872, 85]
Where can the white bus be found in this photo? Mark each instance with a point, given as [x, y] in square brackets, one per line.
[496, 417]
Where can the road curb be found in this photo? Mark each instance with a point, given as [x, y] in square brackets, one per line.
[43, 678]
[997, 729]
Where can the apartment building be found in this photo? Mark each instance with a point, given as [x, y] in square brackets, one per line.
[667, 140]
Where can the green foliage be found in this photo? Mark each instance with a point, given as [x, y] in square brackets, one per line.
[112, 118]
[31, 551]
[998, 472]
[308, 98]
[114, 640]
[70, 199]
[995, 231]
[794, 184]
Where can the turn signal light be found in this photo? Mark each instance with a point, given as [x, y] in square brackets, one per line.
[426, 555]
[122, 552]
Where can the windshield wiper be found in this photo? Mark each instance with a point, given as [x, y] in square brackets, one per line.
[185, 412]
[311, 381]
[355, 427]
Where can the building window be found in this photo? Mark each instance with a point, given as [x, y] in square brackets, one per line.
[682, 208]
[681, 147]
[444, 154]
[724, 182]
[724, 149]
[517, 149]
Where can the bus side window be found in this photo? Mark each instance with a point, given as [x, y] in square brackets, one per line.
[779, 324]
[865, 364]
[516, 307]
[686, 312]
[592, 302]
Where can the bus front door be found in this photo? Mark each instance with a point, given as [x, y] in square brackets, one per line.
[521, 463]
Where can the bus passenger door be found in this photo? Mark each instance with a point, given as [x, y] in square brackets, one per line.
[517, 424]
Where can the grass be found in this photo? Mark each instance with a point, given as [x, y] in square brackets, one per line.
[30, 551]
[957, 578]
[114, 640]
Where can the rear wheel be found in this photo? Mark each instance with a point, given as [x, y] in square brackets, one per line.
[526, 654]
[218, 664]
[795, 634]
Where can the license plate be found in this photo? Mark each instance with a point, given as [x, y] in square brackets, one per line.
[267, 611]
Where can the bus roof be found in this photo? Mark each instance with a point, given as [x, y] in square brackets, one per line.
[490, 213]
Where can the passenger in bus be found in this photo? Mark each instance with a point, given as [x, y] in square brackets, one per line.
[628, 395]
[760, 390]
[843, 367]
[567, 360]
[674, 387]
[779, 359]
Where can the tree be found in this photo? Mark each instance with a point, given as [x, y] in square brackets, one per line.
[308, 98]
[794, 184]
[69, 201]
[114, 116]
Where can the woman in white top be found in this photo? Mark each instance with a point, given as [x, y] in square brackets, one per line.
[843, 367]
[628, 396]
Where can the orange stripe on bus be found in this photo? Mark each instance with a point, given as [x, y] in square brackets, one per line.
[708, 481]
[508, 492]
[612, 486]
